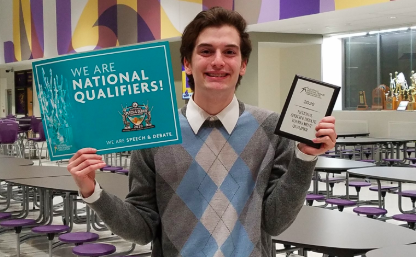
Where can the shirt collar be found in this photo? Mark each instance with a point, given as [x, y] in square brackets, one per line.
[228, 116]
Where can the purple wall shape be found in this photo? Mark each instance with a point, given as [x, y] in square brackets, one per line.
[63, 26]
[296, 8]
[269, 11]
[9, 52]
[327, 5]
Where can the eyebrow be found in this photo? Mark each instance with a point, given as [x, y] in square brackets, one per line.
[209, 45]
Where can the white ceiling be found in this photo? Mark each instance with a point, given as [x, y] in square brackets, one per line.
[359, 19]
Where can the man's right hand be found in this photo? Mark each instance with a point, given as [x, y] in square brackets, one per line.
[82, 167]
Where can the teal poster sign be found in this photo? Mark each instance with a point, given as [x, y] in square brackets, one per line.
[113, 100]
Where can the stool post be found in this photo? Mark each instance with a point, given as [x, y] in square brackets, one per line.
[17, 244]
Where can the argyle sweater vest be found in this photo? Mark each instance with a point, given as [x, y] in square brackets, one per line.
[216, 194]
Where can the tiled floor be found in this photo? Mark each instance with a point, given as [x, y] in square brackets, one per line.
[39, 246]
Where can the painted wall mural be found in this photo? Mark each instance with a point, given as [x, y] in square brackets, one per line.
[55, 27]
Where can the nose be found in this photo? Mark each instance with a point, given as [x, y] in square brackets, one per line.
[218, 60]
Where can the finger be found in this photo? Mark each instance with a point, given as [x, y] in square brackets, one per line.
[81, 152]
[324, 140]
[82, 158]
[325, 126]
[326, 132]
[84, 165]
[90, 169]
[328, 119]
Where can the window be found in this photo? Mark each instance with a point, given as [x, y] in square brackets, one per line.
[369, 59]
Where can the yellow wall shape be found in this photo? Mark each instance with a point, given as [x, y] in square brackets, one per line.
[27, 19]
[193, 1]
[345, 4]
[129, 3]
[85, 33]
[16, 30]
[167, 30]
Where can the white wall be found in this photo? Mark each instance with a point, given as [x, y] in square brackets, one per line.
[6, 27]
[303, 60]
[269, 75]
[380, 123]
[3, 98]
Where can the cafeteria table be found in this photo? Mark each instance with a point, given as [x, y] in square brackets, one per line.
[393, 251]
[335, 165]
[395, 174]
[341, 234]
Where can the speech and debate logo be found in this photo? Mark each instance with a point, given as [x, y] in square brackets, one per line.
[312, 92]
[136, 117]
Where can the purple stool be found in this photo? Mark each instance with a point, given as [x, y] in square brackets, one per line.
[106, 166]
[409, 218]
[123, 171]
[411, 194]
[17, 224]
[78, 238]
[409, 152]
[94, 249]
[371, 212]
[384, 190]
[358, 185]
[340, 203]
[413, 160]
[370, 161]
[5, 215]
[331, 182]
[392, 161]
[112, 169]
[311, 197]
[50, 231]
[413, 165]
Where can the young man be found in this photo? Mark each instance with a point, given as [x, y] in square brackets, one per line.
[232, 183]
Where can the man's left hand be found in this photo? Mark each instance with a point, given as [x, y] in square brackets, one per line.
[325, 134]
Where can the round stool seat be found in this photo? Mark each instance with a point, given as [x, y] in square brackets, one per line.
[359, 184]
[408, 193]
[383, 188]
[112, 168]
[413, 160]
[341, 202]
[94, 249]
[369, 210]
[333, 180]
[123, 171]
[51, 229]
[413, 165]
[78, 237]
[313, 197]
[106, 166]
[405, 217]
[17, 223]
[5, 215]
[370, 161]
[392, 160]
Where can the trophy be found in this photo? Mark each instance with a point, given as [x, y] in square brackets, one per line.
[362, 101]
[378, 97]
[389, 95]
[412, 93]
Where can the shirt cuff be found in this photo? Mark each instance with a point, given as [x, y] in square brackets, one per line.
[304, 156]
[95, 196]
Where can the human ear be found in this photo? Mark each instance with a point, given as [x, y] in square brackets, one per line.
[188, 67]
[243, 67]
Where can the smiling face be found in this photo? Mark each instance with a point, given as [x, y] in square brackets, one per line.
[216, 61]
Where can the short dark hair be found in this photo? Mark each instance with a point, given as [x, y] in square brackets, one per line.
[214, 17]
